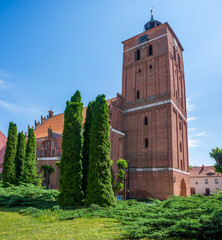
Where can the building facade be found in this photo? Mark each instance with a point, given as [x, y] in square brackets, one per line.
[148, 121]
[204, 180]
[3, 141]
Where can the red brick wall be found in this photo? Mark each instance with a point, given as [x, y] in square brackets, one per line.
[167, 129]
[3, 141]
[54, 177]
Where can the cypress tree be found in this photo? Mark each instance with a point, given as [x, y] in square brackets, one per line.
[20, 156]
[99, 188]
[86, 144]
[8, 173]
[70, 180]
[29, 172]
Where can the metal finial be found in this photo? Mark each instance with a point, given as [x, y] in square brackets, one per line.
[151, 10]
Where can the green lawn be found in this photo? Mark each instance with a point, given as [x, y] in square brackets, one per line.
[16, 226]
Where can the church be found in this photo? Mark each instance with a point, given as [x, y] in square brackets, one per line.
[148, 121]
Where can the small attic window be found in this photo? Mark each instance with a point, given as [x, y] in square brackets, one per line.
[210, 174]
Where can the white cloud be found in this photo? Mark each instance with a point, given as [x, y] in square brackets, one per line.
[4, 74]
[191, 129]
[3, 84]
[191, 119]
[200, 134]
[193, 143]
[17, 109]
[190, 107]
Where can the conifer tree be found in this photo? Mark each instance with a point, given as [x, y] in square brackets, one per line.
[70, 180]
[99, 188]
[20, 156]
[86, 144]
[29, 172]
[8, 173]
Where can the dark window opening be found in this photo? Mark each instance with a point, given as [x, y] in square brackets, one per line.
[150, 50]
[151, 66]
[146, 142]
[180, 125]
[139, 70]
[181, 165]
[180, 146]
[146, 121]
[178, 59]
[138, 55]
[138, 94]
[174, 53]
[207, 191]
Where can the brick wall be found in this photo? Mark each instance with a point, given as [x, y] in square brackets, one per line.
[3, 141]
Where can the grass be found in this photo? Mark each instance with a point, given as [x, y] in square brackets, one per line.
[16, 226]
[38, 216]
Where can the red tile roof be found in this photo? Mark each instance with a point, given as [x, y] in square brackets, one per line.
[56, 123]
[204, 171]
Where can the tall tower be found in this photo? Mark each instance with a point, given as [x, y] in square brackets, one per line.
[154, 113]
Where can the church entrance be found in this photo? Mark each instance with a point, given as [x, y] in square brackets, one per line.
[183, 191]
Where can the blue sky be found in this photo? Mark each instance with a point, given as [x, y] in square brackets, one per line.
[50, 48]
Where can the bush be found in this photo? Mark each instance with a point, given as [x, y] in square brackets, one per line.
[195, 217]
[27, 195]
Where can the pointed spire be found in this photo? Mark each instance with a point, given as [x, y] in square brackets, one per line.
[152, 18]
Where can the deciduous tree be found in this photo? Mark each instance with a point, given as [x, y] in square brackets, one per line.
[216, 153]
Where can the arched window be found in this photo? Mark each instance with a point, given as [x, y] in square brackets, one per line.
[150, 50]
[145, 121]
[174, 53]
[138, 55]
[138, 94]
[180, 146]
[146, 143]
[178, 59]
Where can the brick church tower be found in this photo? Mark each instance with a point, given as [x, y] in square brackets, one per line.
[154, 114]
[148, 121]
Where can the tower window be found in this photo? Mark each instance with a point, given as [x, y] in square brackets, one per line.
[180, 125]
[178, 59]
[138, 94]
[150, 50]
[138, 55]
[139, 70]
[180, 146]
[174, 53]
[146, 143]
[151, 66]
[145, 121]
